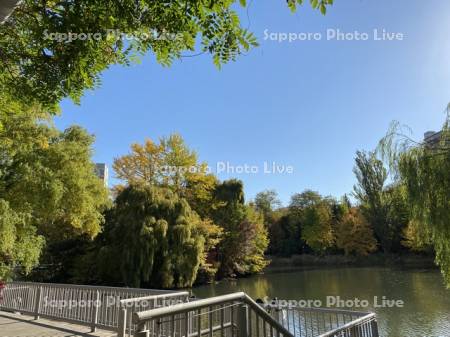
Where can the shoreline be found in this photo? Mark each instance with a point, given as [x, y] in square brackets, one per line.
[300, 262]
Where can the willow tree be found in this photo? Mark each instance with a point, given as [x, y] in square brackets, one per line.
[424, 169]
[153, 238]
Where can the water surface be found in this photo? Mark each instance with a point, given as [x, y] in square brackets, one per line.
[426, 310]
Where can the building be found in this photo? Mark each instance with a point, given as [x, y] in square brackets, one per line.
[101, 170]
[432, 138]
[6, 8]
[437, 140]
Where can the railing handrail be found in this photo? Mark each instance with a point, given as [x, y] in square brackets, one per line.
[324, 310]
[139, 317]
[272, 321]
[124, 317]
[368, 317]
[184, 307]
[153, 297]
[89, 287]
[102, 305]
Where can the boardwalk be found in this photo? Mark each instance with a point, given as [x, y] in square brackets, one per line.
[12, 325]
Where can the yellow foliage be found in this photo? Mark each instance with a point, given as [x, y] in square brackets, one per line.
[354, 234]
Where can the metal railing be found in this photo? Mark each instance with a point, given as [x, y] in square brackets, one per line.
[233, 315]
[312, 322]
[237, 315]
[129, 306]
[97, 307]
[160, 313]
[365, 326]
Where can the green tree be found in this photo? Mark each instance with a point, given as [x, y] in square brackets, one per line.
[314, 216]
[245, 237]
[267, 202]
[398, 214]
[354, 234]
[40, 64]
[170, 164]
[416, 237]
[153, 238]
[285, 235]
[40, 179]
[424, 170]
[317, 229]
[20, 246]
[38, 175]
[371, 176]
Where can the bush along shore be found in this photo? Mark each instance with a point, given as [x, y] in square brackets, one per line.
[307, 261]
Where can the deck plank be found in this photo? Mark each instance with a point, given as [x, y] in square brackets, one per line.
[15, 325]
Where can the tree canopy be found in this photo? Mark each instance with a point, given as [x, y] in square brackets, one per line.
[168, 163]
[50, 174]
[57, 49]
[47, 183]
[20, 246]
[245, 237]
[424, 169]
[167, 242]
[354, 234]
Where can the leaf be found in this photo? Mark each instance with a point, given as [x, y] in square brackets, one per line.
[292, 5]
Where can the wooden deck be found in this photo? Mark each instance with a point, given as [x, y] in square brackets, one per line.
[14, 325]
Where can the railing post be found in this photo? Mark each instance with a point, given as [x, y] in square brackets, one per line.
[140, 331]
[374, 328]
[242, 320]
[122, 330]
[354, 331]
[94, 319]
[37, 302]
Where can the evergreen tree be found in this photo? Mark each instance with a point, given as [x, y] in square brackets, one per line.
[245, 236]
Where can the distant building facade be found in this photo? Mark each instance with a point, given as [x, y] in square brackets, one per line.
[432, 138]
[101, 170]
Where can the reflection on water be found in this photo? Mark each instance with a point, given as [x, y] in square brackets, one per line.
[426, 310]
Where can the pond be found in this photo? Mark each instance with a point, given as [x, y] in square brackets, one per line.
[408, 302]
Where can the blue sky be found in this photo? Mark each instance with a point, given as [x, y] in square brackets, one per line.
[305, 104]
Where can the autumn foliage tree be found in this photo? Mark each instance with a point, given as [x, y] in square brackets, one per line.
[354, 234]
[235, 234]
[168, 163]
